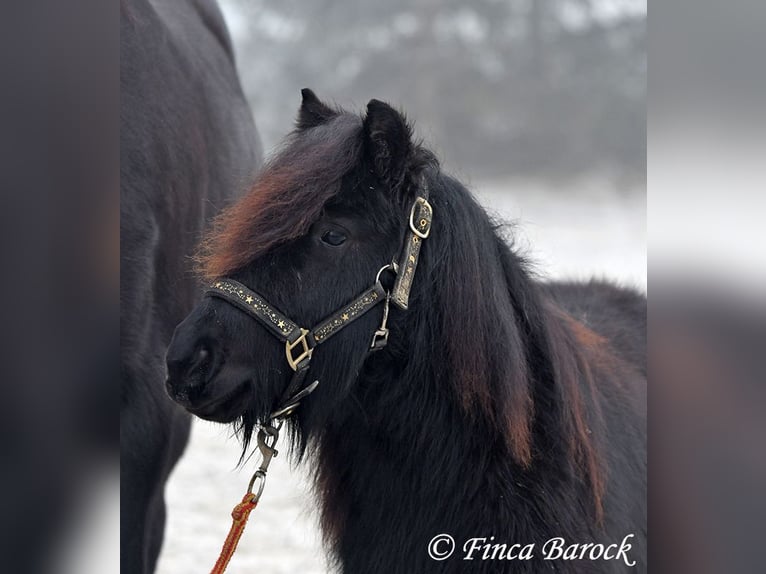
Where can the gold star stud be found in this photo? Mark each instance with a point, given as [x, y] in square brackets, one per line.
[281, 324]
[344, 316]
[249, 299]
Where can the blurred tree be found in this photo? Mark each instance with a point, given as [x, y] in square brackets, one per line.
[532, 87]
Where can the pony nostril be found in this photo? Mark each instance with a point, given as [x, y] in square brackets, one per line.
[200, 358]
[192, 370]
[200, 364]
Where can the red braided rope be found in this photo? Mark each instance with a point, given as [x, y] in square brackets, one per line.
[239, 516]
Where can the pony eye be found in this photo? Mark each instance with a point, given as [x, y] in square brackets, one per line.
[334, 238]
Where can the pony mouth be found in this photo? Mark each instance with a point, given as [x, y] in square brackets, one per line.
[227, 407]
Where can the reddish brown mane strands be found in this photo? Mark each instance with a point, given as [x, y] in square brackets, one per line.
[287, 197]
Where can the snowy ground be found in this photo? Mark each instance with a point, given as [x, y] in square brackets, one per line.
[588, 230]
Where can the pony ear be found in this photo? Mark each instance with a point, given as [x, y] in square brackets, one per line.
[312, 112]
[388, 142]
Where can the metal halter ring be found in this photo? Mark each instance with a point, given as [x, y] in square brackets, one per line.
[393, 267]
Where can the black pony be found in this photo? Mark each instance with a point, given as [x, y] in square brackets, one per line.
[188, 142]
[502, 411]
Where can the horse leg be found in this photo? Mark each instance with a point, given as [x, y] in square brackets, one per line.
[158, 510]
[134, 507]
[153, 435]
[156, 528]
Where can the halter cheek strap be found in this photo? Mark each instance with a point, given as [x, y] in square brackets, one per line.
[300, 342]
[421, 216]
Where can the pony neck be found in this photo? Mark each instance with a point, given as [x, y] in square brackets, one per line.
[482, 355]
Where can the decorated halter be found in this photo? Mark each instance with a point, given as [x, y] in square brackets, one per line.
[300, 342]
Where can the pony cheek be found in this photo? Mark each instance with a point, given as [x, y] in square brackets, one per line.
[336, 366]
[269, 371]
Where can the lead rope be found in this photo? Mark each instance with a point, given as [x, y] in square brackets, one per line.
[240, 514]
[267, 442]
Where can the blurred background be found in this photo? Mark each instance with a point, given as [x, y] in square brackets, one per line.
[539, 106]
[539, 88]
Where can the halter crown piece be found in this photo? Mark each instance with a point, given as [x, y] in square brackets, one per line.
[300, 344]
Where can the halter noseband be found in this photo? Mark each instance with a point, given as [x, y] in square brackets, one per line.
[299, 342]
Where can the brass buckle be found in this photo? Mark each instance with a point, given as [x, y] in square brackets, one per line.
[423, 229]
[304, 352]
